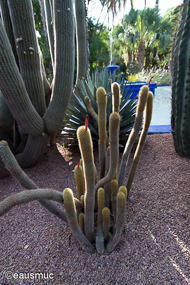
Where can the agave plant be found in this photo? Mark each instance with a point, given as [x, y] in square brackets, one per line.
[77, 111]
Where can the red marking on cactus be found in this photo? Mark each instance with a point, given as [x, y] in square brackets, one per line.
[78, 163]
[150, 81]
[111, 82]
[86, 122]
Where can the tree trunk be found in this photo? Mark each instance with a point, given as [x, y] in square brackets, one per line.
[147, 58]
[141, 53]
[129, 57]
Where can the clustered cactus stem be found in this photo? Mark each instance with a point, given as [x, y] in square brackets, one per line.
[143, 95]
[86, 148]
[97, 217]
[102, 104]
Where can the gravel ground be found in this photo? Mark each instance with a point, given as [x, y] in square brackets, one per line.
[154, 247]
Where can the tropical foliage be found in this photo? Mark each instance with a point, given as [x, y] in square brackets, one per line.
[143, 37]
[98, 45]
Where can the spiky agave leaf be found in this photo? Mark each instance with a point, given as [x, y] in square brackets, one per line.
[77, 111]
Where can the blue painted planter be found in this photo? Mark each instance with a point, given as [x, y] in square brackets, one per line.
[134, 87]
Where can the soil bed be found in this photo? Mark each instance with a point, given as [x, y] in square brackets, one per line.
[154, 247]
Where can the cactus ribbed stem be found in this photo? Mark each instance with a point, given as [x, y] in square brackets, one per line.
[6, 117]
[81, 221]
[180, 91]
[81, 39]
[116, 98]
[106, 223]
[34, 150]
[79, 179]
[176, 51]
[102, 151]
[86, 149]
[95, 173]
[123, 189]
[185, 120]
[99, 236]
[72, 220]
[90, 109]
[27, 196]
[64, 65]
[143, 94]
[102, 104]
[120, 219]
[5, 15]
[5, 137]
[82, 200]
[141, 142]
[48, 13]
[114, 191]
[14, 91]
[16, 171]
[114, 149]
[107, 186]
[28, 52]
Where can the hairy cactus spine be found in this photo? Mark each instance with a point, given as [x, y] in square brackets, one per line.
[86, 149]
[114, 122]
[107, 186]
[123, 189]
[141, 142]
[114, 191]
[120, 219]
[90, 109]
[99, 236]
[72, 220]
[106, 223]
[102, 103]
[143, 94]
[116, 98]
[81, 221]
[79, 179]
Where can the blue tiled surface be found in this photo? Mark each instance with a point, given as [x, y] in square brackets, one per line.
[159, 129]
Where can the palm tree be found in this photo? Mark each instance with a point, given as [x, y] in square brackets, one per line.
[147, 28]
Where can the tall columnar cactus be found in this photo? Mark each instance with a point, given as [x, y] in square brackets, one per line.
[31, 111]
[180, 119]
[97, 216]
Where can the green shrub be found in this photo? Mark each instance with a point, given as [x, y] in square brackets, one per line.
[161, 76]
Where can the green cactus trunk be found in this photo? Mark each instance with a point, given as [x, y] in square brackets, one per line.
[81, 39]
[180, 119]
[30, 111]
